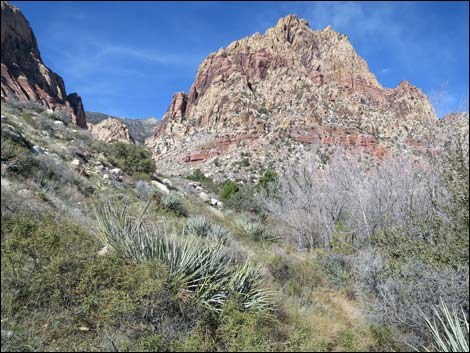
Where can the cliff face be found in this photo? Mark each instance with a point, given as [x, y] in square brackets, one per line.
[23, 74]
[291, 81]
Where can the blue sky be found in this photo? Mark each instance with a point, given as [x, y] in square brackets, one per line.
[127, 58]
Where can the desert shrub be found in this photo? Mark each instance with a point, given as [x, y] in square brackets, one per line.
[12, 146]
[131, 158]
[61, 115]
[54, 281]
[201, 226]
[296, 278]
[245, 200]
[144, 190]
[312, 201]
[263, 110]
[268, 179]
[228, 189]
[398, 296]
[198, 176]
[37, 107]
[172, 202]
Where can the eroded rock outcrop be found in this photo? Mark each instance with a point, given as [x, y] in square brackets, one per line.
[278, 85]
[23, 74]
[111, 130]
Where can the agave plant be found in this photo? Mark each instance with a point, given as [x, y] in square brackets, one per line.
[450, 331]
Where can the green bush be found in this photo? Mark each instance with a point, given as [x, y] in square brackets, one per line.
[131, 158]
[58, 293]
[229, 188]
[199, 176]
[268, 178]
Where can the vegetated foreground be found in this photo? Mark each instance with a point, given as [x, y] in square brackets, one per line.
[102, 252]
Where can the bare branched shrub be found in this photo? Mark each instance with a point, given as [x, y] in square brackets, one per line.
[398, 195]
[400, 297]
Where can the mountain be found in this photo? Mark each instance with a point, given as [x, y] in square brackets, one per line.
[266, 94]
[24, 76]
[139, 129]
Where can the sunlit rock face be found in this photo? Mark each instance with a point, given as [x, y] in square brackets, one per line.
[23, 74]
[290, 83]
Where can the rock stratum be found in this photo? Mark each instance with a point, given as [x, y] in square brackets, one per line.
[266, 96]
[23, 74]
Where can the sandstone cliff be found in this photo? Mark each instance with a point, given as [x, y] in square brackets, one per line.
[23, 74]
[289, 85]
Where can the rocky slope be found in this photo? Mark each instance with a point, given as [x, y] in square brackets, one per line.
[266, 96]
[139, 129]
[24, 76]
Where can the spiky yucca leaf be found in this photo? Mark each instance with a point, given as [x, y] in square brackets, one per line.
[450, 331]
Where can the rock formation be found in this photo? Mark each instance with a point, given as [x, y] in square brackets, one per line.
[23, 74]
[111, 130]
[139, 129]
[290, 86]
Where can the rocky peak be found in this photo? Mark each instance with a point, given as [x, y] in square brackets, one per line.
[111, 130]
[289, 79]
[23, 74]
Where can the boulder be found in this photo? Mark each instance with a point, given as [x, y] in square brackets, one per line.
[204, 197]
[162, 187]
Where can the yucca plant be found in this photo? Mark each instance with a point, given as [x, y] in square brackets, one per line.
[203, 227]
[207, 270]
[256, 231]
[199, 225]
[338, 269]
[450, 331]
[173, 202]
[245, 283]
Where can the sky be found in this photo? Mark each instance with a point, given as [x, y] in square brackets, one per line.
[127, 58]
